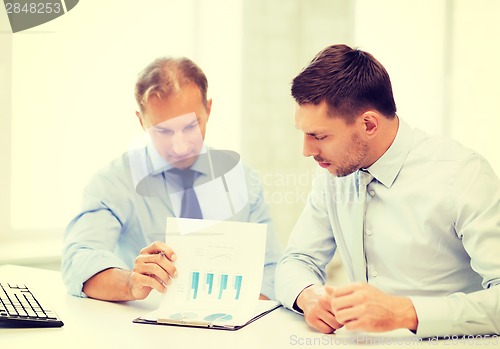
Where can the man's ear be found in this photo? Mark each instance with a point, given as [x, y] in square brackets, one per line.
[139, 116]
[209, 107]
[371, 122]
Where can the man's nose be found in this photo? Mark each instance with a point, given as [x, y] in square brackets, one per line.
[180, 145]
[309, 148]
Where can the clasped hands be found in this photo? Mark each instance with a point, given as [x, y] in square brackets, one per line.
[358, 306]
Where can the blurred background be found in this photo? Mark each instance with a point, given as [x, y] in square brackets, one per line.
[67, 106]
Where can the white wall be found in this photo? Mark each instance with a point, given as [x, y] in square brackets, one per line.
[408, 37]
[72, 92]
[474, 86]
[443, 57]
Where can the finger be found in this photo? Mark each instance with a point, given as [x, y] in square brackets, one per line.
[139, 280]
[161, 272]
[159, 247]
[343, 291]
[157, 258]
[157, 265]
[166, 263]
[332, 322]
[325, 323]
[348, 315]
[358, 324]
[152, 269]
[329, 292]
[322, 318]
[344, 302]
[321, 325]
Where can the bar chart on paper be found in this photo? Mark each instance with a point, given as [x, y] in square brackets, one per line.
[215, 286]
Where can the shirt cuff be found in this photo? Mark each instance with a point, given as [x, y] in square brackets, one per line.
[267, 288]
[291, 280]
[433, 316]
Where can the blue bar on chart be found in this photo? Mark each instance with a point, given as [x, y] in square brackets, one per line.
[238, 279]
[223, 285]
[210, 283]
[195, 277]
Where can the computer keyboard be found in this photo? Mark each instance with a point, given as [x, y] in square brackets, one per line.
[19, 307]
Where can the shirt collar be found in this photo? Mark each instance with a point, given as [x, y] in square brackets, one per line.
[387, 167]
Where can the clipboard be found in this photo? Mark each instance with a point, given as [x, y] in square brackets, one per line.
[264, 307]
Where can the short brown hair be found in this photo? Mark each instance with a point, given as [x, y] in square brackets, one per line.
[351, 81]
[165, 76]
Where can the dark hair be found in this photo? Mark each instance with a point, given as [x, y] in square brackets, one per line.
[351, 81]
[165, 76]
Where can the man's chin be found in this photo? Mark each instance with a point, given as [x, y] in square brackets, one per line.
[185, 163]
[339, 172]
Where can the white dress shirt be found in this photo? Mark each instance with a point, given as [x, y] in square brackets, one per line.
[431, 231]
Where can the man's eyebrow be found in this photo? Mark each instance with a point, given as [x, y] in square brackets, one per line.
[316, 133]
[158, 126]
[313, 133]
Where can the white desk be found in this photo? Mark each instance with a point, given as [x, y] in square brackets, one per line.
[93, 324]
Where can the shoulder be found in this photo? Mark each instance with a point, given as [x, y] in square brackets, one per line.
[230, 164]
[445, 160]
[439, 149]
[117, 173]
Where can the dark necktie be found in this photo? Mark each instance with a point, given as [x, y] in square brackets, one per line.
[190, 207]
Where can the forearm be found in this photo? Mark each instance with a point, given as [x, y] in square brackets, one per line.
[111, 285]
[406, 315]
[88, 248]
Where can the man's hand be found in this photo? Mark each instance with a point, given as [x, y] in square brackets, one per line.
[315, 302]
[366, 308]
[153, 269]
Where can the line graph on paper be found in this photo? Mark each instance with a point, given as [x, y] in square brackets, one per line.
[216, 256]
[221, 258]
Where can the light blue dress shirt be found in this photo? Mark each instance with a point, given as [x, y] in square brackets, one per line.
[431, 231]
[126, 204]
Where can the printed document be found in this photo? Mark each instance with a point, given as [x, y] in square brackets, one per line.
[220, 268]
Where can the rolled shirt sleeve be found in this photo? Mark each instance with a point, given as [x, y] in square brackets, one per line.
[310, 247]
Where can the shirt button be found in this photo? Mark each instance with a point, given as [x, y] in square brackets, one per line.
[369, 232]
[374, 274]
[372, 192]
